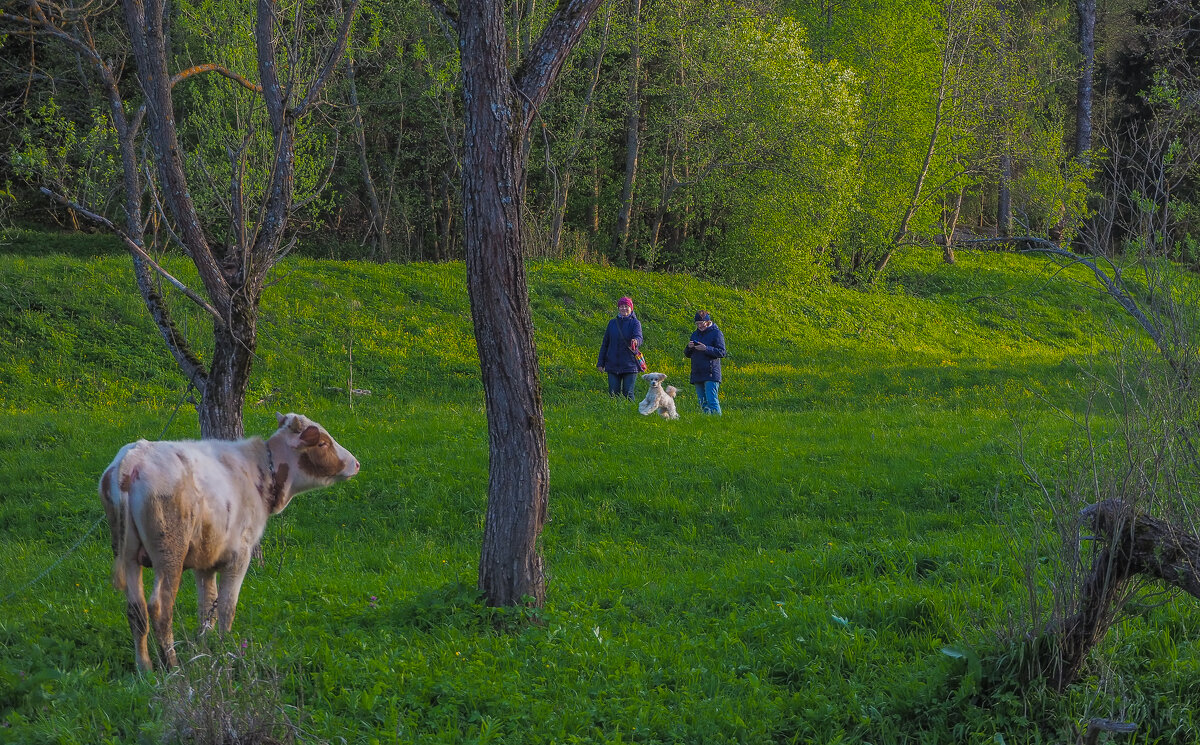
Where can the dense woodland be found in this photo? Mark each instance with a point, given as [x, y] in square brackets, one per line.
[747, 142]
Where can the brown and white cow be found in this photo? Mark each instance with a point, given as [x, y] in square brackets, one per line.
[203, 505]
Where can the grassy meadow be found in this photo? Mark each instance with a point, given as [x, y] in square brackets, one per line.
[792, 572]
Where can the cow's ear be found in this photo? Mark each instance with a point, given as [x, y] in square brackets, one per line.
[311, 435]
[280, 418]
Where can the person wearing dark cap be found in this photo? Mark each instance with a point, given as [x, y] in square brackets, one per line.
[705, 349]
[618, 351]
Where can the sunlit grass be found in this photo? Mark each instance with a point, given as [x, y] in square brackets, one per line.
[788, 572]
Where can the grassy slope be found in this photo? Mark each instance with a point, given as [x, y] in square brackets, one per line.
[788, 572]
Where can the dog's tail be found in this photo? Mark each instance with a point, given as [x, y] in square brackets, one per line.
[671, 391]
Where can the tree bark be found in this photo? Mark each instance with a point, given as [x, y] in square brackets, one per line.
[510, 565]
[1086, 10]
[632, 138]
[1128, 544]
[499, 108]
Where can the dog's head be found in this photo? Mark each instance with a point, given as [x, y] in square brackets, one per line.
[654, 379]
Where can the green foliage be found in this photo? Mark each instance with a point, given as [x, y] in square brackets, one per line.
[894, 49]
[1052, 191]
[789, 572]
[78, 160]
[796, 126]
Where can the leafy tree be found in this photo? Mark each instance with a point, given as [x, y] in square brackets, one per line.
[776, 145]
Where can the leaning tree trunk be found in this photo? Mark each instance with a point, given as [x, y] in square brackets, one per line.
[1128, 544]
[510, 565]
[939, 114]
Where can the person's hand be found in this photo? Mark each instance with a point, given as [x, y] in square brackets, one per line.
[633, 344]
[600, 368]
[700, 346]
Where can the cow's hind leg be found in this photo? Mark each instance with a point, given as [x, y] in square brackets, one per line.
[135, 612]
[162, 608]
[206, 598]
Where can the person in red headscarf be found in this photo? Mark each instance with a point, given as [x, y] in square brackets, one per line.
[618, 350]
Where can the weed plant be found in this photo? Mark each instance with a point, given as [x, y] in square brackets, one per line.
[827, 562]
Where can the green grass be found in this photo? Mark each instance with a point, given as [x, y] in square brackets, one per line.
[789, 572]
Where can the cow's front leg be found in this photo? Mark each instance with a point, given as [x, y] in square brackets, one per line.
[206, 597]
[230, 587]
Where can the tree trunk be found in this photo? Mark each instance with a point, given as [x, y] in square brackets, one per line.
[949, 225]
[499, 109]
[510, 566]
[1004, 197]
[224, 392]
[594, 208]
[1127, 544]
[378, 222]
[561, 192]
[632, 140]
[1083, 103]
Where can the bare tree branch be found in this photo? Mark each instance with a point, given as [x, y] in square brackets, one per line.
[191, 72]
[331, 62]
[549, 53]
[136, 249]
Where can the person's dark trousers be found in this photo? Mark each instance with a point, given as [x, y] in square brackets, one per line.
[621, 384]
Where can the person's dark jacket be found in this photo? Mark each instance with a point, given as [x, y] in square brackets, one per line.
[615, 354]
[706, 363]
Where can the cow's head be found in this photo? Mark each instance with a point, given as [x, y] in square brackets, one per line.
[313, 458]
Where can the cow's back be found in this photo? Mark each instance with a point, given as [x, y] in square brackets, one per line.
[199, 498]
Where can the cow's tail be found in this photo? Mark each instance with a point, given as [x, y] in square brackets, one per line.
[114, 508]
[117, 482]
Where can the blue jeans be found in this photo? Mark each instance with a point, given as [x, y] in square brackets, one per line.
[706, 392]
[621, 383]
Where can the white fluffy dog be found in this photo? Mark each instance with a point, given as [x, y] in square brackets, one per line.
[658, 398]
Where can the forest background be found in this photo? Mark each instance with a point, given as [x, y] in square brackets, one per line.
[746, 142]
